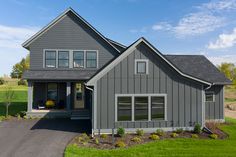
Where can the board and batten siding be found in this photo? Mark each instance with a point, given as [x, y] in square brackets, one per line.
[184, 96]
[215, 110]
[72, 34]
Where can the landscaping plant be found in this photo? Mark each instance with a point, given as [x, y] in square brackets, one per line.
[121, 132]
[174, 135]
[160, 132]
[197, 129]
[120, 144]
[103, 136]
[194, 136]
[179, 131]
[140, 132]
[213, 136]
[8, 97]
[154, 137]
[136, 139]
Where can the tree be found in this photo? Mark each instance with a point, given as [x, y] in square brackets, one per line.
[8, 97]
[19, 68]
[229, 70]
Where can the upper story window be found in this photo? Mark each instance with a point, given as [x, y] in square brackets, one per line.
[50, 59]
[209, 97]
[141, 66]
[63, 59]
[91, 59]
[78, 59]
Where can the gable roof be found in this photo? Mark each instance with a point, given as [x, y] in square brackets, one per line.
[129, 50]
[44, 29]
[198, 66]
[119, 46]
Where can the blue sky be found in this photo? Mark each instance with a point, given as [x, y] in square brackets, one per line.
[174, 27]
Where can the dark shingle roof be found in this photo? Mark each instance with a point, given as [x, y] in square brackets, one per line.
[58, 74]
[199, 67]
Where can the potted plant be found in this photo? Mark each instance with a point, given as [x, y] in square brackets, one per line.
[50, 104]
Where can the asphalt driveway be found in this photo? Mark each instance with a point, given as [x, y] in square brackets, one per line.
[38, 138]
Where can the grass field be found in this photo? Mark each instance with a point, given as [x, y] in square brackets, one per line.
[19, 100]
[169, 148]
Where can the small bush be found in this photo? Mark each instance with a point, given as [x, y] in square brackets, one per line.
[2, 118]
[140, 132]
[213, 136]
[136, 139]
[154, 137]
[194, 136]
[22, 82]
[174, 135]
[179, 131]
[160, 132]
[103, 136]
[22, 114]
[2, 81]
[120, 144]
[121, 132]
[85, 137]
[197, 129]
[96, 141]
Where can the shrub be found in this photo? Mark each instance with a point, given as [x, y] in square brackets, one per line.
[50, 103]
[84, 137]
[213, 136]
[160, 132]
[174, 135]
[140, 132]
[154, 137]
[96, 141]
[22, 82]
[120, 144]
[194, 136]
[179, 131]
[136, 139]
[197, 129]
[121, 132]
[103, 136]
[2, 81]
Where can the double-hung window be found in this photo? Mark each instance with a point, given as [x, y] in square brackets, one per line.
[144, 107]
[78, 57]
[50, 59]
[91, 59]
[63, 59]
[124, 105]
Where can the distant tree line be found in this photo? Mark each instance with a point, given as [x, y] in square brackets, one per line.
[229, 69]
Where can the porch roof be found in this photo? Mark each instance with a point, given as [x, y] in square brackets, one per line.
[58, 74]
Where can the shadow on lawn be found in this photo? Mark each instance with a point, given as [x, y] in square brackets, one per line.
[64, 124]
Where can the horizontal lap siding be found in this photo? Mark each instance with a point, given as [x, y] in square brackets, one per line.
[215, 110]
[69, 33]
[184, 97]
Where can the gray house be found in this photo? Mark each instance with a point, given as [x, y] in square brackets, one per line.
[88, 76]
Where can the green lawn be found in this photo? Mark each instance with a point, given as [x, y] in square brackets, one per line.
[19, 100]
[171, 147]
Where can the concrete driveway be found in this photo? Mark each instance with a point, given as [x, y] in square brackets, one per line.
[38, 138]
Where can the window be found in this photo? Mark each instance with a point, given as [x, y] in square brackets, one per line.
[141, 108]
[63, 59]
[157, 108]
[52, 91]
[78, 57]
[209, 97]
[50, 59]
[141, 66]
[91, 59]
[124, 105]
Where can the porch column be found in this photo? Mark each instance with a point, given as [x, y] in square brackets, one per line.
[30, 96]
[68, 95]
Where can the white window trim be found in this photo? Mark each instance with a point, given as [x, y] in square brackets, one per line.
[135, 66]
[209, 92]
[71, 58]
[149, 105]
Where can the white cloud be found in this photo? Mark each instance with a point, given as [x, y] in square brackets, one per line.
[162, 26]
[217, 60]
[219, 5]
[224, 41]
[11, 50]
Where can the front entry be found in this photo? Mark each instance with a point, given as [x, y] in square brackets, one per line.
[79, 96]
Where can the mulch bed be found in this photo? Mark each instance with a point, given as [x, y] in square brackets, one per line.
[106, 143]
